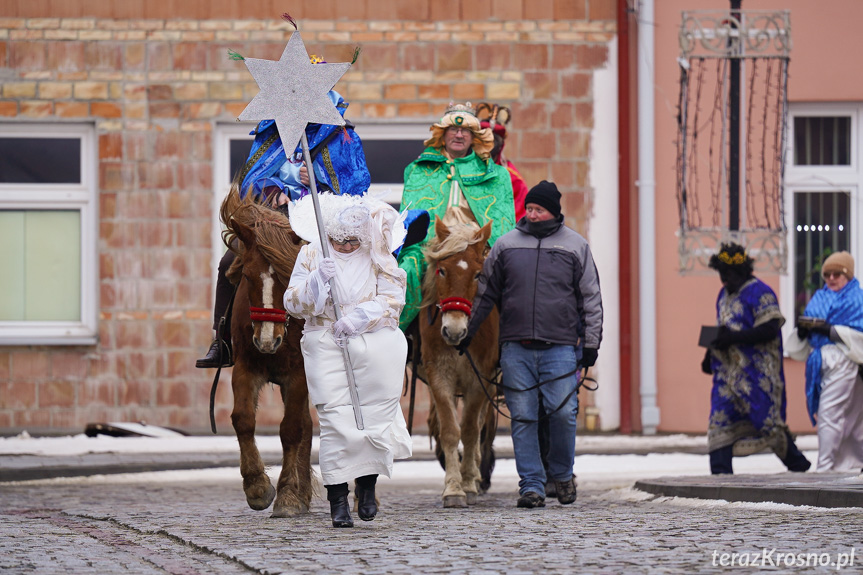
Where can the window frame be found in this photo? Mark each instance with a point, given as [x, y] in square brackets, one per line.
[82, 197]
[826, 179]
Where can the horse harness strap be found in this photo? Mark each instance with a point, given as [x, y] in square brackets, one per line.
[268, 314]
[455, 304]
[222, 321]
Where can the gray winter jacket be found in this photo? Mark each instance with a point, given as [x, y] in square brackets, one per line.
[546, 289]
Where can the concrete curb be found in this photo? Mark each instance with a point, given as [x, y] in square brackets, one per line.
[813, 489]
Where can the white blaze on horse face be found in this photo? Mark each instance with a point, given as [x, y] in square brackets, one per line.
[462, 264]
[267, 327]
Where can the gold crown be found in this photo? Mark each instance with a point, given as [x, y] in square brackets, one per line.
[735, 260]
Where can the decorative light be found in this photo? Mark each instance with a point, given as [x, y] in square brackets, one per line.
[799, 228]
[827, 228]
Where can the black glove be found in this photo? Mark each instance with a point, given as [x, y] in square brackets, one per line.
[724, 340]
[802, 332]
[588, 356]
[705, 363]
[463, 345]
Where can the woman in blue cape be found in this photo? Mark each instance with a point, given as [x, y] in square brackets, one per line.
[747, 402]
[830, 338]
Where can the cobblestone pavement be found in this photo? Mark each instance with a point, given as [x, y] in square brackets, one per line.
[206, 527]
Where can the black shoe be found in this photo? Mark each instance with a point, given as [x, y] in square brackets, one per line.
[212, 357]
[530, 500]
[565, 490]
[340, 512]
[367, 507]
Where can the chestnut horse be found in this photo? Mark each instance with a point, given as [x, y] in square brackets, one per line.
[266, 348]
[455, 257]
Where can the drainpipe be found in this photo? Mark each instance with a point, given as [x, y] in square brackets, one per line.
[647, 219]
[624, 223]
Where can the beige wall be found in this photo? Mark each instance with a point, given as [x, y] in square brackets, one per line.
[154, 79]
[826, 40]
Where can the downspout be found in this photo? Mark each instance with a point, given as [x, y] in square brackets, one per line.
[647, 219]
[623, 216]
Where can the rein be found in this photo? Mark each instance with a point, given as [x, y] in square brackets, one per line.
[268, 314]
[580, 383]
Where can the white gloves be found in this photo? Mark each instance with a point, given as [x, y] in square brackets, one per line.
[327, 269]
[344, 329]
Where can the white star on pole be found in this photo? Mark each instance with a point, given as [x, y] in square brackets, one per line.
[294, 92]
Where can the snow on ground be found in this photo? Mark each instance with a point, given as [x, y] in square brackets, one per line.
[24, 444]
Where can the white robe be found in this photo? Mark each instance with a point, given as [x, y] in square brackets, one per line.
[840, 407]
[377, 357]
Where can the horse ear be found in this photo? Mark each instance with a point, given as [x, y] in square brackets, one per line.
[245, 233]
[484, 233]
[441, 231]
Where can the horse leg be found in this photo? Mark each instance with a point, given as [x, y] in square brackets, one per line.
[486, 442]
[256, 484]
[453, 494]
[472, 412]
[294, 493]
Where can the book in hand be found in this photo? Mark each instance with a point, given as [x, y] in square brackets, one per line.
[708, 334]
[810, 322]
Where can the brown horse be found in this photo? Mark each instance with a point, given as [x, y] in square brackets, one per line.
[455, 257]
[267, 349]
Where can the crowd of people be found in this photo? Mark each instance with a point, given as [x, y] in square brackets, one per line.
[354, 293]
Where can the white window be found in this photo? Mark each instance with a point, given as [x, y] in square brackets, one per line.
[48, 230]
[824, 179]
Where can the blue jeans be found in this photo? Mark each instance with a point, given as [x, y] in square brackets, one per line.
[523, 368]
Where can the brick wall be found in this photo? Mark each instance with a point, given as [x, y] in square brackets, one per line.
[155, 84]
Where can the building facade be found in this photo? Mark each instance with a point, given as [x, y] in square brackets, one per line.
[118, 125]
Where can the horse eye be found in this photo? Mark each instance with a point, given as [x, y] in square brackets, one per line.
[476, 277]
[441, 272]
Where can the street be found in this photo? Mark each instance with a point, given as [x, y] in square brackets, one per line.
[198, 522]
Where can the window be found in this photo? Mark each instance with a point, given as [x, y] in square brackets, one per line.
[48, 230]
[824, 180]
[389, 148]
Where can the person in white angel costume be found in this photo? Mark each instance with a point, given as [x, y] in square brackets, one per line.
[362, 232]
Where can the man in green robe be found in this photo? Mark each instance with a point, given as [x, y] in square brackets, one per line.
[454, 179]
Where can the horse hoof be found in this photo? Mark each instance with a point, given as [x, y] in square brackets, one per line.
[455, 501]
[261, 503]
[471, 498]
[290, 510]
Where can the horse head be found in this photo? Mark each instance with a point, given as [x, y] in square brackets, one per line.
[265, 290]
[456, 260]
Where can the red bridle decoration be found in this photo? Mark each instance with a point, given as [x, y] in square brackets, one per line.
[267, 314]
[455, 304]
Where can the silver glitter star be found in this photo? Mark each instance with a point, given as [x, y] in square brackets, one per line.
[294, 92]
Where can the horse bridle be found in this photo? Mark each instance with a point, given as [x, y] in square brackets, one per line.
[455, 304]
[268, 314]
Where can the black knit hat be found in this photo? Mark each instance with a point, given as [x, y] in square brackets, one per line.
[544, 194]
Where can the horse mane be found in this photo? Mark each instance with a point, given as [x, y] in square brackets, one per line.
[461, 236]
[275, 238]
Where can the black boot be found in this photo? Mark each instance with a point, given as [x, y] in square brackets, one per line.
[794, 459]
[340, 511]
[367, 507]
[720, 460]
[212, 357]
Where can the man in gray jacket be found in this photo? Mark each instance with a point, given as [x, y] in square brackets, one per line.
[544, 282]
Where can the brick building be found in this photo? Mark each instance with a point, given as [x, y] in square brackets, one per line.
[144, 95]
